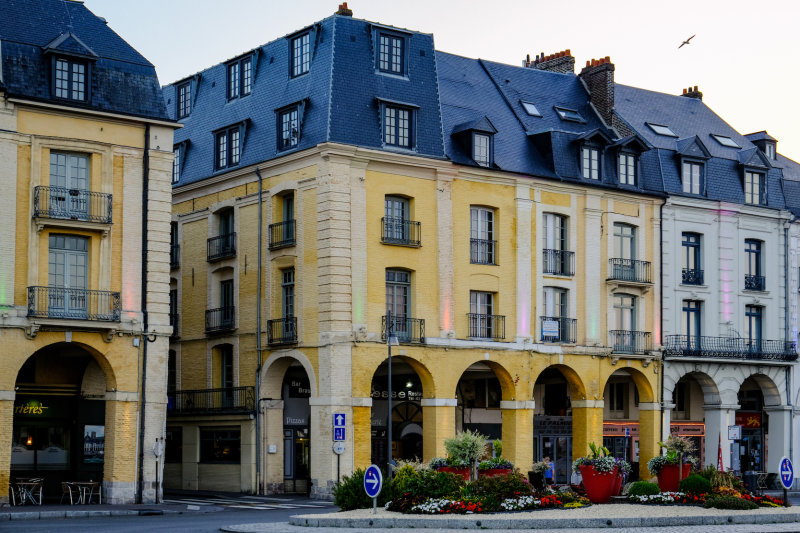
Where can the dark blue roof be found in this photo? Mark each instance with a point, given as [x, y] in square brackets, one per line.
[122, 81]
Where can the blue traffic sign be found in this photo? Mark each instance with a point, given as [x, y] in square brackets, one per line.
[339, 420]
[373, 481]
[786, 472]
[338, 434]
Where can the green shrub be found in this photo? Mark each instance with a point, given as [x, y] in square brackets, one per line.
[466, 447]
[401, 478]
[432, 484]
[350, 494]
[695, 484]
[728, 502]
[505, 486]
[643, 488]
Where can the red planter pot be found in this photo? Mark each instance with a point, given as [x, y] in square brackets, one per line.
[494, 472]
[462, 471]
[617, 486]
[668, 480]
[598, 485]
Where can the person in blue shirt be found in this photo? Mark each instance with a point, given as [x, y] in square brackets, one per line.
[548, 474]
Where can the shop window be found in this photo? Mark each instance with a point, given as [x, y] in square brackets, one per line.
[220, 445]
[173, 445]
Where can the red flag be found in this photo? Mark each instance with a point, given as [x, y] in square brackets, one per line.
[719, 457]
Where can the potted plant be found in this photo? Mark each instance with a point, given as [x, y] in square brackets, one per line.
[675, 465]
[599, 473]
[449, 465]
[463, 452]
[536, 475]
[623, 471]
[497, 466]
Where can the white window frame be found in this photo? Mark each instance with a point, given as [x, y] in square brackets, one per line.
[590, 162]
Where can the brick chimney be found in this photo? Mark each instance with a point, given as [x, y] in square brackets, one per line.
[344, 10]
[598, 74]
[562, 62]
[692, 92]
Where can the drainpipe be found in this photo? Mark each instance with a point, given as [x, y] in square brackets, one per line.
[143, 404]
[259, 484]
[661, 305]
[788, 336]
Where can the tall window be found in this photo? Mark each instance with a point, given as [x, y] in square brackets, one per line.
[616, 400]
[692, 177]
[555, 321]
[391, 54]
[754, 190]
[233, 80]
[692, 270]
[691, 322]
[625, 311]
[172, 372]
[397, 126]
[481, 149]
[753, 316]
[240, 77]
[227, 148]
[184, 99]
[226, 293]
[590, 164]
[555, 302]
[481, 308]
[173, 308]
[557, 259]
[287, 293]
[226, 380]
[396, 219]
[482, 236]
[770, 151]
[627, 169]
[754, 278]
[68, 272]
[70, 79]
[247, 76]
[289, 128]
[300, 54]
[69, 181]
[398, 294]
[624, 241]
[176, 164]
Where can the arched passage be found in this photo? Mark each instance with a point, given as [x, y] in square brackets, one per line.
[690, 396]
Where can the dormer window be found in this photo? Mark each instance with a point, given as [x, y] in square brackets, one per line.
[627, 168]
[590, 162]
[692, 177]
[570, 115]
[391, 53]
[769, 150]
[184, 99]
[228, 146]
[725, 141]
[289, 124]
[660, 129]
[70, 79]
[754, 188]
[240, 77]
[300, 54]
[482, 149]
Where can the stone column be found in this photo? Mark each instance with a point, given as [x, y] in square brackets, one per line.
[119, 470]
[649, 418]
[438, 423]
[594, 276]
[587, 425]
[718, 418]
[666, 417]
[518, 432]
[780, 417]
[444, 216]
[7, 416]
[272, 467]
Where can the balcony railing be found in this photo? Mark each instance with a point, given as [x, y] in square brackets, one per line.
[692, 276]
[73, 304]
[483, 252]
[401, 231]
[173, 321]
[212, 401]
[487, 326]
[282, 331]
[558, 329]
[558, 262]
[407, 330]
[222, 319]
[631, 341]
[282, 234]
[222, 247]
[729, 348]
[754, 283]
[174, 256]
[631, 270]
[71, 204]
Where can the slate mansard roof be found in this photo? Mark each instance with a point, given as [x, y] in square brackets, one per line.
[120, 79]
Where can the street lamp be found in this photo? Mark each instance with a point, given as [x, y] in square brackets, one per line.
[390, 339]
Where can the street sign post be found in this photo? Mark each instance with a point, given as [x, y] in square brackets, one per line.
[338, 434]
[786, 473]
[339, 420]
[373, 481]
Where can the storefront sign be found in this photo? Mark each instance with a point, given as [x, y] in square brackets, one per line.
[552, 425]
[748, 420]
[550, 328]
[398, 395]
[299, 388]
[687, 430]
[30, 408]
[618, 430]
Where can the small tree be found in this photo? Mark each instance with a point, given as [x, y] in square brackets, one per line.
[680, 447]
[466, 448]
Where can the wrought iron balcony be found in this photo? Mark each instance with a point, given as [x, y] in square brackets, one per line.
[71, 204]
[407, 330]
[630, 270]
[282, 331]
[401, 232]
[212, 401]
[624, 341]
[754, 283]
[73, 304]
[483, 252]
[729, 348]
[558, 262]
[487, 326]
[174, 256]
[222, 319]
[222, 247]
[282, 234]
[692, 276]
[173, 321]
[558, 329]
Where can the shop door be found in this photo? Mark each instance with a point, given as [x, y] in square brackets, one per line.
[296, 460]
[559, 449]
[751, 450]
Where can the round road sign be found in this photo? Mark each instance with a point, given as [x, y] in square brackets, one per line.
[786, 472]
[338, 447]
[373, 480]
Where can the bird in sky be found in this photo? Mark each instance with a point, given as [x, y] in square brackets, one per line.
[686, 41]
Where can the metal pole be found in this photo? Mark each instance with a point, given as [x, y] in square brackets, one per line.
[389, 328]
[258, 339]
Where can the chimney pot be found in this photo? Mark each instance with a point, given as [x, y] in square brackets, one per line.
[568, 52]
[684, 91]
[695, 88]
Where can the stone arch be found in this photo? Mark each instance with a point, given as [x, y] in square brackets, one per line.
[771, 381]
[576, 385]
[643, 386]
[710, 388]
[507, 384]
[275, 367]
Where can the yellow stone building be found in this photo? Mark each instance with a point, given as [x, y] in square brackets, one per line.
[496, 241]
[85, 160]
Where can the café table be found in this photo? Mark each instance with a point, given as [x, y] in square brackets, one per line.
[29, 490]
[88, 489]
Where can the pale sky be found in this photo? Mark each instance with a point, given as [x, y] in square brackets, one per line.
[745, 57]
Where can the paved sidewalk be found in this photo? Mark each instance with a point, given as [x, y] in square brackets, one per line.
[49, 511]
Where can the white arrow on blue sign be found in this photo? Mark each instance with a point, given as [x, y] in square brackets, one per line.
[339, 420]
[373, 481]
[786, 472]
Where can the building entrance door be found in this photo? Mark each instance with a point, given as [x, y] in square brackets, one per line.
[559, 449]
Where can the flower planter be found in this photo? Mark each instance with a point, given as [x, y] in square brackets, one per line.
[668, 479]
[493, 472]
[598, 485]
[617, 486]
[462, 471]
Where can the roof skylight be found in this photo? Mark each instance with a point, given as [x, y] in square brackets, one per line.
[569, 114]
[725, 141]
[530, 109]
[661, 129]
